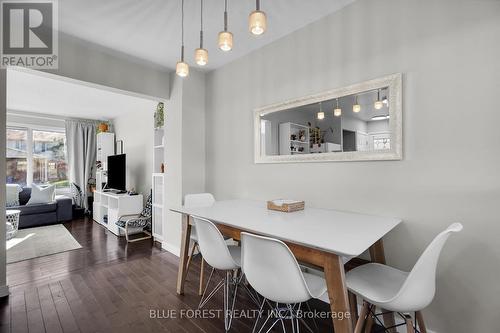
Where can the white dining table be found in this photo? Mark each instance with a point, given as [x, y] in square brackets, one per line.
[319, 237]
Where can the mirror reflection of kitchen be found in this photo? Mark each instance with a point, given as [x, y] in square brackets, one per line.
[350, 123]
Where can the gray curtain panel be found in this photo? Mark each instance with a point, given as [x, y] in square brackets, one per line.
[81, 149]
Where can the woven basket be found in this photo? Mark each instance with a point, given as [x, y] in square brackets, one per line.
[286, 207]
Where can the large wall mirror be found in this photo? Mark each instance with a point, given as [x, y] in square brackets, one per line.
[360, 122]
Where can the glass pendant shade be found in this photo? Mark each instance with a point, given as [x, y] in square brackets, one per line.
[225, 41]
[337, 112]
[321, 115]
[257, 22]
[378, 105]
[182, 69]
[356, 108]
[201, 56]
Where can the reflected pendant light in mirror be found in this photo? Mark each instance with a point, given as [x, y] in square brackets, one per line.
[201, 54]
[356, 107]
[337, 112]
[378, 103]
[321, 114]
[225, 37]
[182, 68]
[257, 21]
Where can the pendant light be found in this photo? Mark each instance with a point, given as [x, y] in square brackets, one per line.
[337, 112]
[257, 22]
[321, 114]
[356, 107]
[378, 103]
[201, 54]
[182, 68]
[225, 37]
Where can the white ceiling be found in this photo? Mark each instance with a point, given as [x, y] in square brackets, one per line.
[49, 94]
[150, 29]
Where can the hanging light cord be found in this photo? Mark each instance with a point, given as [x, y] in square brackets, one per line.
[257, 5]
[182, 31]
[225, 15]
[201, 24]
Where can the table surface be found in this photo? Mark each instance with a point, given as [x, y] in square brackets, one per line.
[343, 233]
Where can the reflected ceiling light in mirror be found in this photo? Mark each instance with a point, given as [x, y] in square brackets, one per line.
[225, 37]
[337, 112]
[356, 107]
[257, 21]
[321, 114]
[201, 54]
[378, 103]
[182, 68]
[382, 117]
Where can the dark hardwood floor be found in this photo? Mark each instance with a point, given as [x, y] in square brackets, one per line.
[109, 286]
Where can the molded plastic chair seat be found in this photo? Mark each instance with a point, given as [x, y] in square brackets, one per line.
[317, 286]
[377, 283]
[235, 252]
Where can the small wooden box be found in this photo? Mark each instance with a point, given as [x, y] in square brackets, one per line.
[286, 206]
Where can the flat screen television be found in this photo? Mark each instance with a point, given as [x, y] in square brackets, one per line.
[116, 172]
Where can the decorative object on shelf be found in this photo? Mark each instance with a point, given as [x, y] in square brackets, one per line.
[182, 68]
[103, 127]
[159, 115]
[201, 54]
[162, 168]
[257, 21]
[293, 137]
[302, 135]
[225, 37]
[286, 206]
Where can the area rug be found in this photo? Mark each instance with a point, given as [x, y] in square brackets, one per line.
[38, 242]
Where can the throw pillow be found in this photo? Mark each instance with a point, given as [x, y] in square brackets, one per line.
[12, 193]
[41, 195]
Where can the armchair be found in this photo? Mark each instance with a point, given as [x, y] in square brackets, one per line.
[137, 221]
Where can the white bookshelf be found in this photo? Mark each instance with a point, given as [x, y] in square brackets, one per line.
[105, 148]
[158, 184]
[290, 141]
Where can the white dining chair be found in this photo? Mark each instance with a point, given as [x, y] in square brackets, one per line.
[190, 201]
[223, 257]
[273, 271]
[397, 291]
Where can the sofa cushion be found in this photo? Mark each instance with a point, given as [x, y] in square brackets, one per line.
[41, 194]
[12, 195]
[24, 196]
[37, 208]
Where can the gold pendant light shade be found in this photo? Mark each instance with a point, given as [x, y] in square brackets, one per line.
[182, 69]
[257, 22]
[201, 56]
[225, 41]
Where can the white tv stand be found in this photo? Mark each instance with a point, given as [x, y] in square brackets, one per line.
[113, 206]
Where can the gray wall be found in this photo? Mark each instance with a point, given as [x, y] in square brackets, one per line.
[88, 62]
[448, 52]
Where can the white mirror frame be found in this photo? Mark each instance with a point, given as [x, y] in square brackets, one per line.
[394, 82]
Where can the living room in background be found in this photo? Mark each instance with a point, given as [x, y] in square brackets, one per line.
[36, 155]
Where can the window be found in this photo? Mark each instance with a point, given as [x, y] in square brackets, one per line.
[36, 156]
[17, 156]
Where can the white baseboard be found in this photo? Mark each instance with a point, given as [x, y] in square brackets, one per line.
[175, 250]
[4, 291]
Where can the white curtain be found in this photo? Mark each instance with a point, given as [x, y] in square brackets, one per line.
[81, 150]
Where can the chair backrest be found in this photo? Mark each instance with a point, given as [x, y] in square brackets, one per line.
[199, 200]
[147, 210]
[272, 270]
[213, 248]
[420, 286]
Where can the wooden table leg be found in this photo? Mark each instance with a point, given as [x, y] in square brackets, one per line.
[377, 255]
[337, 293]
[185, 237]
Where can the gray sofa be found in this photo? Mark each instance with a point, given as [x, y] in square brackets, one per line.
[60, 210]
